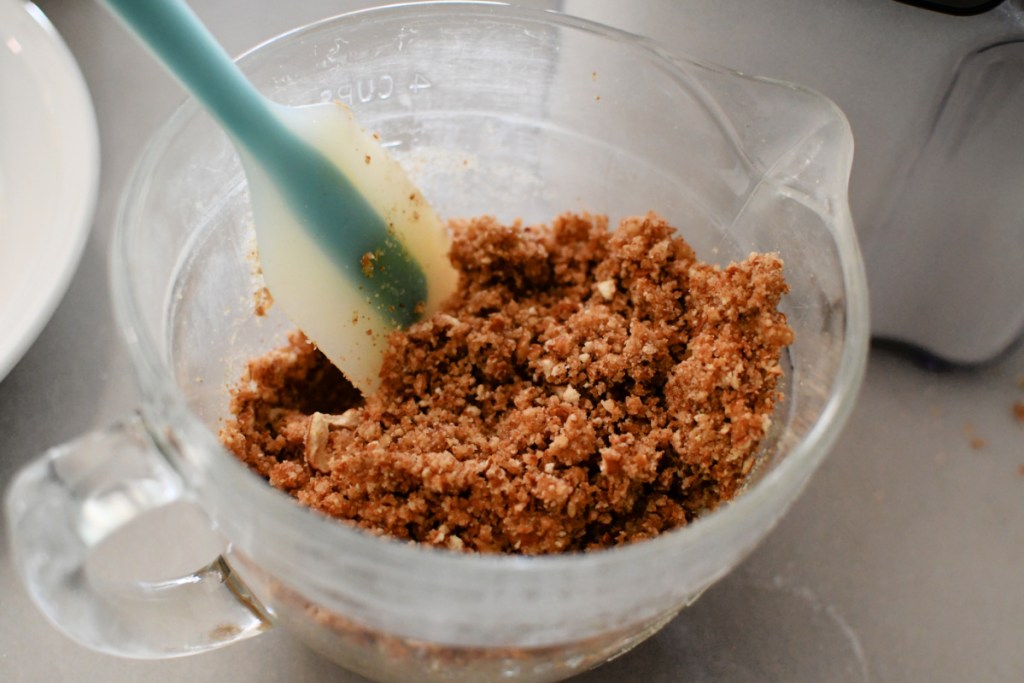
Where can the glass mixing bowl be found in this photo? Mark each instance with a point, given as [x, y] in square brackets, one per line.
[492, 109]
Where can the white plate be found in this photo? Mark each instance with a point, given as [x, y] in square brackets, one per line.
[49, 173]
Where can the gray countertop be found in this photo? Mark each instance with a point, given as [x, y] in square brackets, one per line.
[902, 561]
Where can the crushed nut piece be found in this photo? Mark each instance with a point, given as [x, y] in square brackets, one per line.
[350, 418]
[606, 288]
[317, 432]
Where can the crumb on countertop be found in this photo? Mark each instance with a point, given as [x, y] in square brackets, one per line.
[976, 442]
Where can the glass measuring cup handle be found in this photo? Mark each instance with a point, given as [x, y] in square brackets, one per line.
[61, 506]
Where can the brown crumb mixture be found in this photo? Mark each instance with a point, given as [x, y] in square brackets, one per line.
[583, 388]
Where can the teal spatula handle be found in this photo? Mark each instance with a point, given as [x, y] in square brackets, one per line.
[173, 32]
[331, 208]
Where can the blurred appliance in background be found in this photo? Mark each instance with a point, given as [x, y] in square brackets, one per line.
[934, 91]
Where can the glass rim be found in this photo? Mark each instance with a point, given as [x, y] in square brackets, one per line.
[158, 385]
